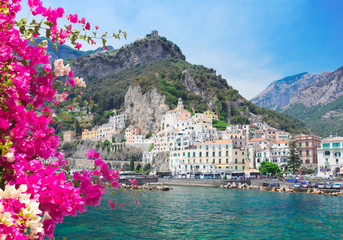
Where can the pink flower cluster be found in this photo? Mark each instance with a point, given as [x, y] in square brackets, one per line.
[26, 137]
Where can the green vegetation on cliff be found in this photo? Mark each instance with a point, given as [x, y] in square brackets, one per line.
[325, 120]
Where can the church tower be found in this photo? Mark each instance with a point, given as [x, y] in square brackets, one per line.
[180, 104]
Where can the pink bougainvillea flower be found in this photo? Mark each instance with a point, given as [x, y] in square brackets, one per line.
[115, 184]
[112, 204]
[96, 27]
[88, 26]
[134, 182]
[70, 74]
[78, 46]
[73, 18]
[71, 82]
[137, 202]
[4, 124]
[122, 205]
[82, 21]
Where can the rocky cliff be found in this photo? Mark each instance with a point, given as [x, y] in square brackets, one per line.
[323, 89]
[145, 110]
[278, 94]
[309, 89]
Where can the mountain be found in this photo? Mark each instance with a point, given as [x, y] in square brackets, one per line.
[147, 77]
[315, 99]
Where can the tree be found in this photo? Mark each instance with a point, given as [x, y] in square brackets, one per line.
[293, 157]
[78, 129]
[132, 164]
[267, 167]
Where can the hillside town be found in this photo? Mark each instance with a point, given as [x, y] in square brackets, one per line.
[194, 145]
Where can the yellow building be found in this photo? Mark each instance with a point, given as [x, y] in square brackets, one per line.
[86, 134]
[209, 156]
[211, 115]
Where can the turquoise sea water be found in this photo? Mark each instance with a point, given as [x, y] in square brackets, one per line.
[210, 213]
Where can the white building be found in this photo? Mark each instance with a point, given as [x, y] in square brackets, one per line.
[330, 157]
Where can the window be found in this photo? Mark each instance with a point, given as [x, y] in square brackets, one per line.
[336, 161]
[307, 152]
[300, 153]
[300, 144]
[243, 168]
[327, 153]
[307, 161]
[213, 154]
[188, 160]
[220, 161]
[206, 154]
[193, 160]
[220, 153]
[337, 154]
[227, 153]
[242, 153]
[243, 161]
[200, 160]
[306, 144]
[235, 167]
[189, 154]
[206, 160]
[214, 161]
[236, 160]
[235, 153]
[336, 145]
[193, 154]
[199, 154]
[183, 153]
[326, 145]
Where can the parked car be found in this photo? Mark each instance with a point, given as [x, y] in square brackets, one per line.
[306, 184]
[321, 185]
[291, 180]
[297, 185]
[337, 186]
[329, 185]
[274, 185]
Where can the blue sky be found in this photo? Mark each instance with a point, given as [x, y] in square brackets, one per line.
[251, 43]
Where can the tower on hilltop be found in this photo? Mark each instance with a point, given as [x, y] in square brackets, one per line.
[180, 104]
[154, 33]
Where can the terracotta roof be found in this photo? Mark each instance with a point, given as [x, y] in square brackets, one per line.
[334, 139]
[219, 141]
[257, 140]
[281, 141]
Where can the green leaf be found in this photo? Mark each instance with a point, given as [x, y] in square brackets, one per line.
[50, 24]
[55, 46]
[48, 33]
[104, 42]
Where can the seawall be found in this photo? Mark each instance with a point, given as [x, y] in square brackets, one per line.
[198, 182]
